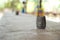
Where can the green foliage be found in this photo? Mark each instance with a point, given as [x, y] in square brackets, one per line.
[8, 5]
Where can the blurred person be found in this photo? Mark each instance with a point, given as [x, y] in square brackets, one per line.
[24, 7]
[18, 8]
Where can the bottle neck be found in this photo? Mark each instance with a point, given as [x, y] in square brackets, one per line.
[40, 3]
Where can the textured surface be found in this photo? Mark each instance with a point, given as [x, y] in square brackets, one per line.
[23, 27]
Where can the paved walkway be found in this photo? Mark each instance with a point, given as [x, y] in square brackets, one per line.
[23, 27]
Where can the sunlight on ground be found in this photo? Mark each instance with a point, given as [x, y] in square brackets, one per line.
[57, 19]
[1, 15]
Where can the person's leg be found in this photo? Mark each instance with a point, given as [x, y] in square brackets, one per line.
[17, 12]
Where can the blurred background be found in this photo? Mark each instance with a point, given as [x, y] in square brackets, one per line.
[51, 7]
